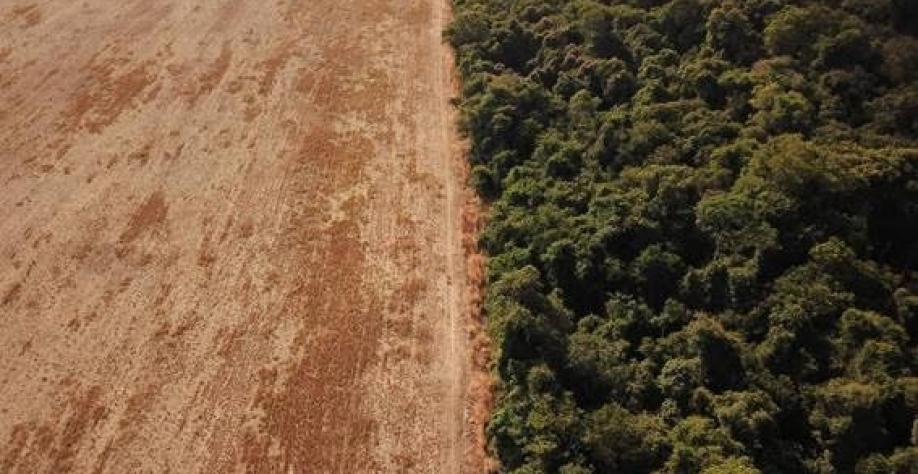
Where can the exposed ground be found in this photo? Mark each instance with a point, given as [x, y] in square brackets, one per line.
[230, 239]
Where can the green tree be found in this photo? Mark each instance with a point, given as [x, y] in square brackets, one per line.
[730, 32]
[732, 466]
[619, 441]
[701, 234]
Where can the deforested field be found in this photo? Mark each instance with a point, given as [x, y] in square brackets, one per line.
[231, 238]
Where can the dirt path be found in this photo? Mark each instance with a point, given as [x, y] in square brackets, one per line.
[230, 239]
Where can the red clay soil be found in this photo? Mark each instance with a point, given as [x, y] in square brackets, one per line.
[234, 237]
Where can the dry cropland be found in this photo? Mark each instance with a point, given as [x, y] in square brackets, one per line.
[234, 237]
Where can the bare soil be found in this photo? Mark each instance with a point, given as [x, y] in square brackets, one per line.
[234, 238]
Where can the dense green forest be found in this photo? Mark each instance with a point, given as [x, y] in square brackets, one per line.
[703, 232]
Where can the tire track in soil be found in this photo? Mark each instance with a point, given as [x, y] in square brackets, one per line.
[233, 239]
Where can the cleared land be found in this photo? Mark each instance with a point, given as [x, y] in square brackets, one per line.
[230, 239]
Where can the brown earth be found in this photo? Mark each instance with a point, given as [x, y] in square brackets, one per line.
[234, 238]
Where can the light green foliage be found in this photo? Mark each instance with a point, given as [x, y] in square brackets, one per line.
[733, 466]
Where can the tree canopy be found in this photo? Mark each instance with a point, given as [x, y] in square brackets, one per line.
[702, 232]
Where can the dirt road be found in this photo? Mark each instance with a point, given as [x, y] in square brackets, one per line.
[230, 238]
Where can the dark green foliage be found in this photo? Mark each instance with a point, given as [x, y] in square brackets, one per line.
[703, 232]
